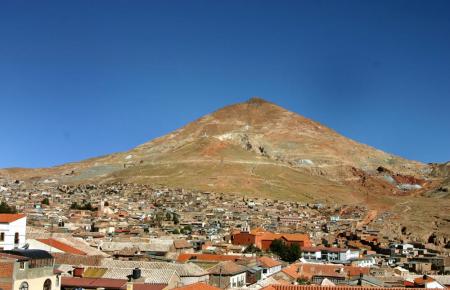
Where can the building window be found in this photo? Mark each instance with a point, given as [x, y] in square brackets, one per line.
[22, 265]
[2, 237]
[47, 285]
[16, 238]
[23, 286]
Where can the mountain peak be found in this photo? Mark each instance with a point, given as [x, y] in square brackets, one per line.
[257, 100]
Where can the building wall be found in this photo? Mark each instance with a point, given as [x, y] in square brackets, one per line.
[225, 282]
[265, 245]
[17, 226]
[299, 243]
[238, 280]
[38, 283]
[6, 274]
[317, 255]
[243, 239]
[271, 271]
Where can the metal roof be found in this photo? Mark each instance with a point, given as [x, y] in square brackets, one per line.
[32, 254]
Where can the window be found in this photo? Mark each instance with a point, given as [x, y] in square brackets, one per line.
[47, 285]
[16, 238]
[22, 265]
[2, 237]
[23, 286]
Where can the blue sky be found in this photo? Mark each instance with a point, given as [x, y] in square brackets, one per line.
[80, 79]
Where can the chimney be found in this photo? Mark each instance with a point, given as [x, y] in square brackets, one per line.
[78, 271]
[136, 273]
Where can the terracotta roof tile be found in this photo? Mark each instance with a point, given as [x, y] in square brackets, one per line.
[61, 246]
[227, 268]
[181, 244]
[10, 217]
[91, 283]
[423, 280]
[268, 262]
[140, 286]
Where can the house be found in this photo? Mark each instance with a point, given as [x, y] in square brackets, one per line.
[263, 239]
[12, 231]
[228, 274]
[28, 270]
[402, 249]
[328, 254]
[367, 261]
[269, 266]
[183, 246]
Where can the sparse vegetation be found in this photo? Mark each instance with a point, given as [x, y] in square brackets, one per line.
[45, 201]
[251, 249]
[287, 253]
[6, 208]
[84, 206]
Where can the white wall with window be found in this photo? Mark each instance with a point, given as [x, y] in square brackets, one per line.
[12, 231]
[238, 280]
[38, 283]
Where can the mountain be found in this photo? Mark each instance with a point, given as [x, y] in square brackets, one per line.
[255, 147]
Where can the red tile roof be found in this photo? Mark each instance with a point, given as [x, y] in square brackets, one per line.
[197, 286]
[423, 280]
[140, 286]
[61, 246]
[353, 271]
[227, 268]
[6, 218]
[268, 262]
[92, 283]
[309, 270]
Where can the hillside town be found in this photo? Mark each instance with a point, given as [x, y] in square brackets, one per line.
[134, 236]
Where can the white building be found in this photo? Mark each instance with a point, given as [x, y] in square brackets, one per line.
[364, 262]
[404, 249]
[336, 255]
[12, 231]
[269, 266]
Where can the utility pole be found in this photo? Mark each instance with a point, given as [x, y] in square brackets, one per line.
[220, 277]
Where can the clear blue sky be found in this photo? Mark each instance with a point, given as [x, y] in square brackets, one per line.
[80, 79]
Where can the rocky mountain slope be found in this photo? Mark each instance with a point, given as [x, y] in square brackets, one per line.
[255, 147]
